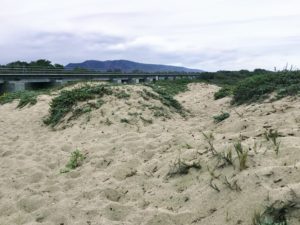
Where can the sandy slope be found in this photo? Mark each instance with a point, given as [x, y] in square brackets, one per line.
[123, 179]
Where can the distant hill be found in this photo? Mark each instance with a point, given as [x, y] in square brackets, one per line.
[127, 66]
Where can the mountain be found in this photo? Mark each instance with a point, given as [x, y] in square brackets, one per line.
[127, 66]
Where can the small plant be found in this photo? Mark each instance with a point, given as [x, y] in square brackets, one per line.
[210, 140]
[227, 157]
[232, 186]
[188, 146]
[124, 120]
[108, 122]
[242, 155]
[222, 93]
[122, 94]
[275, 214]
[75, 161]
[212, 173]
[221, 117]
[214, 186]
[182, 168]
[272, 135]
[146, 121]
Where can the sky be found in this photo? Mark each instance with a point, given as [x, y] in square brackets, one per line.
[204, 34]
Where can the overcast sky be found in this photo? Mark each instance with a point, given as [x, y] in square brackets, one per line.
[205, 34]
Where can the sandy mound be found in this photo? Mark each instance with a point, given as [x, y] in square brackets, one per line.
[158, 172]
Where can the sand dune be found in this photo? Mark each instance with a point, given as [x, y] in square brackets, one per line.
[124, 178]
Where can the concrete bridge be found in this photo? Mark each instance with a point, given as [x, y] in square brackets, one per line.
[21, 82]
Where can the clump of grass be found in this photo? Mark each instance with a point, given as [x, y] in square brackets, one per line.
[182, 168]
[272, 135]
[122, 94]
[227, 157]
[125, 120]
[223, 92]
[242, 155]
[108, 122]
[274, 215]
[75, 161]
[232, 186]
[67, 100]
[25, 98]
[146, 121]
[214, 186]
[221, 117]
[210, 141]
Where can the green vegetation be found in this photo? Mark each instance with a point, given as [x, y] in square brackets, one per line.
[272, 135]
[24, 97]
[223, 92]
[258, 87]
[67, 100]
[275, 214]
[166, 92]
[221, 117]
[75, 161]
[210, 141]
[242, 155]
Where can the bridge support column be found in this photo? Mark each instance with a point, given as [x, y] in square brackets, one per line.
[117, 81]
[149, 79]
[135, 81]
[15, 86]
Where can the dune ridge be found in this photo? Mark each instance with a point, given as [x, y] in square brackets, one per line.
[124, 176]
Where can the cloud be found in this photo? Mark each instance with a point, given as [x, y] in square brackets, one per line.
[210, 35]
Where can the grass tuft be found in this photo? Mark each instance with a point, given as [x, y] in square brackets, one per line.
[75, 161]
[242, 155]
[221, 117]
[65, 102]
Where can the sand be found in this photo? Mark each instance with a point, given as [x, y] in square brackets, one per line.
[123, 179]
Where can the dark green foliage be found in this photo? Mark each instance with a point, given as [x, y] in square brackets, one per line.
[24, 97]
[64, 103]
[260, 86]
[122, 94]
[75, 161]
[165, 95]
[275, 214]
[221, 117]
[223, 92]
[124, 120]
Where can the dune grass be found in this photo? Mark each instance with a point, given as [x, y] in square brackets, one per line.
[63, 104]
[24, 97]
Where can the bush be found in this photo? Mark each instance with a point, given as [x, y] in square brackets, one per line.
[260, 86]
[64, 103]
[75, 161]
[221, 117]
[222, 93]
[24, 97]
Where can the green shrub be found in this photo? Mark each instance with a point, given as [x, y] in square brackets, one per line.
[223, 92]
[75, 161]
[24, 97]
[61, 105]
[260, 86]
[221, 117]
